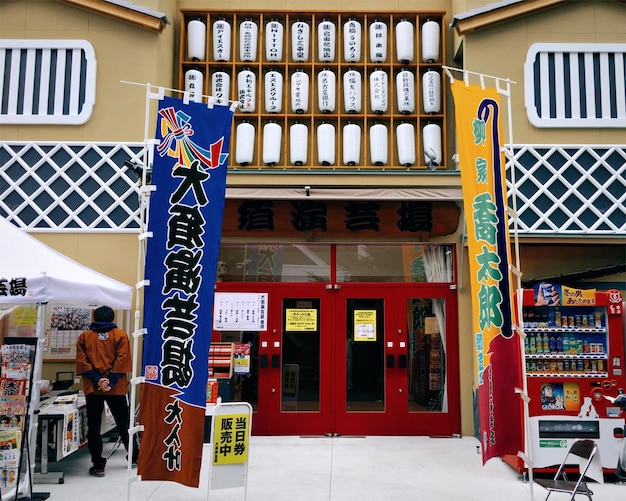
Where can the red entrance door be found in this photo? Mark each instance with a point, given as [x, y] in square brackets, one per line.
[355, 359]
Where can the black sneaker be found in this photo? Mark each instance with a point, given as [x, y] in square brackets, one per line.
[96, 472]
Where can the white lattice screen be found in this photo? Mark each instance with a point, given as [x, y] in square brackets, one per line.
[56, 187]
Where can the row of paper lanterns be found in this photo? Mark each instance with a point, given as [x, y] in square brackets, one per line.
[300, 41]
[351, 144]
[326, 90]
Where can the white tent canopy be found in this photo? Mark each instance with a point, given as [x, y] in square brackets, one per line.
[51, 277]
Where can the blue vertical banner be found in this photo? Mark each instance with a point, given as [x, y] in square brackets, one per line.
[185, 219]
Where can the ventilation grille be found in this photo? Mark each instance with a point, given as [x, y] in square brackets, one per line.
[46, 81]
[576, 85]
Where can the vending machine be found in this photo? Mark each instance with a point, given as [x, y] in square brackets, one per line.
[574, 357]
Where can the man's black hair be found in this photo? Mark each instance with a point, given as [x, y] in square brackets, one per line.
[103, 314]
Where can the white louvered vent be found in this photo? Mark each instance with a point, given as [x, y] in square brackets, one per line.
[576, 85]
[47, 81]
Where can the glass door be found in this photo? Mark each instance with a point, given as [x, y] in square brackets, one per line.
[295, 380]
[364, 354]
[427, 361]
[396, 356]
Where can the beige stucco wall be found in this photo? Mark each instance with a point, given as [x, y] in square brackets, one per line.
[501, 51]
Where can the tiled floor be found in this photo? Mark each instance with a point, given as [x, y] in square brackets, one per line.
[329, 469]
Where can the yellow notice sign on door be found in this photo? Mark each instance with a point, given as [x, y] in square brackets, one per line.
[299, 320]
[365, 325]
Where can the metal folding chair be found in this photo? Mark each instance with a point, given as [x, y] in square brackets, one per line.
[581, 453]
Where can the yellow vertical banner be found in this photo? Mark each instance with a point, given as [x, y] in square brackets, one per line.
[498, 370]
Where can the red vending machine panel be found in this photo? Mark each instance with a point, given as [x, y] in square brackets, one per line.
[574, 357]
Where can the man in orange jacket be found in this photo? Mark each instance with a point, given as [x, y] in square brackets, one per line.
[103, 359]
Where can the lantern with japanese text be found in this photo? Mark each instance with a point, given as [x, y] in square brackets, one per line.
[405, 90]
[430, 41]
[196, 40]
[405, 139]
[431, 89]
[352, 41]
[378, 144]
[273, 92]
[351, 144]
[248, 35]
[246, 89]
[300, 33]
[378, 42]
[274, 41]
[352, 91]
[272, 140]
[326, 32]
[379, 91]
[221, 40]
[326, 144]
[298, 143]
[405, 44]
[220, 87]
[244, 145]
[194, 82]
[326, 86]
[299, 91]
[431, 139]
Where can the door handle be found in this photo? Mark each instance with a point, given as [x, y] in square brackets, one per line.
[402, 361]
[390, 362]
[275, 361]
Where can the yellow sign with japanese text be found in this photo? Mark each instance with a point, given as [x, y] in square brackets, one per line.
[231, 437]
[300, 320]
[365, 325]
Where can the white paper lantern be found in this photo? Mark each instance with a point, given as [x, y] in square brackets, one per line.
[273, 92]
[430, 41]
[274, 41]
[272, 139]
[431, 89]
[298, 144]
[431, 135]
[221, 40]
[326, 32]
[244, 146]
[405, 138]
[326, 86]
[405, 42]
[351, 144]
[299, 92]
[378, 144]
[196, 40]
[352, 91]
[405, 91]
[194, 83]
[246, 89]
[220, 87]
[300, 33]
[326, 144]
[378, 42]
[379, 91]
[352, 41]
[248, 34]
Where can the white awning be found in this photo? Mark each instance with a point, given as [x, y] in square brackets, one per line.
[325, 193]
